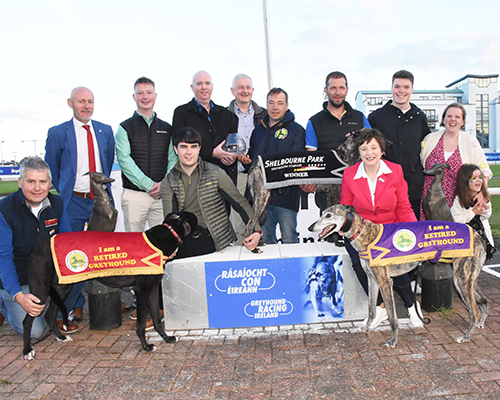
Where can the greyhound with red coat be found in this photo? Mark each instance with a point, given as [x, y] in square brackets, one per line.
[44, 281]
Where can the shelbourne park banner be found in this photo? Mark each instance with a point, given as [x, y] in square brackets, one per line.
[302, 168]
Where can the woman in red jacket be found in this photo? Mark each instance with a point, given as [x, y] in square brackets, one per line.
[379, 193]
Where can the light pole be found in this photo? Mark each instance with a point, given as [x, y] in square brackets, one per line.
[34, 143]
[268, 49]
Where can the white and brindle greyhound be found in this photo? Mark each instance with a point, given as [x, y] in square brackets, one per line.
[361, 233]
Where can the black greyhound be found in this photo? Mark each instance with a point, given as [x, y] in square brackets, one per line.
[43, 281]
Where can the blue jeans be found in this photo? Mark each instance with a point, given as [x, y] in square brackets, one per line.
[15, 314]
[287, 220]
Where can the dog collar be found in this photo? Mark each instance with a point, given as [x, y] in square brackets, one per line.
[363, 222]
[173, 232]
[349, 218]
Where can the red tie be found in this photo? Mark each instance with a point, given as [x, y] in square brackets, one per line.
[90, 145]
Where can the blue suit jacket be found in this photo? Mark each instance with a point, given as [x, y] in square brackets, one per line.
[61, 155]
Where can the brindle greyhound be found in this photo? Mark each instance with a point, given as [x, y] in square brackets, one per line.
[43, 281]
[361, 233]
[434, 205]
[347, 152]
[103, 217]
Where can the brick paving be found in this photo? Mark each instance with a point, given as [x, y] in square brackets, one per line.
[319, 361]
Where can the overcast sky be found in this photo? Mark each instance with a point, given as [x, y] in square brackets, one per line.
[50, 46]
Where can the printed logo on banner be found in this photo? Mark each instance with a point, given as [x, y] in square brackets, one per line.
[404, 240]
[274, 291]
[77, 261]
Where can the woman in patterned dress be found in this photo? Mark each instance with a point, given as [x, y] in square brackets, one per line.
[454, 147]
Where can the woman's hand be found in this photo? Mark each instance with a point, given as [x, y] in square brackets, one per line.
[480, 209]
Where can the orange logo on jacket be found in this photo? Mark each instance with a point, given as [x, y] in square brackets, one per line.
[51, 222]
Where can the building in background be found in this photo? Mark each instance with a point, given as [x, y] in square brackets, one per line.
[477, 93]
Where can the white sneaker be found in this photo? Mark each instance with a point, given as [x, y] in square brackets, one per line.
[380, 316]
[415, 321]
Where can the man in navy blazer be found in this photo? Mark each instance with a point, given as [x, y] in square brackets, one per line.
[66, 152]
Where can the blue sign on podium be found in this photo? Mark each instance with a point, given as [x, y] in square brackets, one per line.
[281, 291]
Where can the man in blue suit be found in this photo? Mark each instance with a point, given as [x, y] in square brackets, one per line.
[66, 152]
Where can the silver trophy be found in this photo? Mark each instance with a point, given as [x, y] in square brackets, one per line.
[235, 144]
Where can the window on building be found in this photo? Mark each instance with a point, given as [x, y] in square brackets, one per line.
[431, 115]
[482, 120]
[375, 100]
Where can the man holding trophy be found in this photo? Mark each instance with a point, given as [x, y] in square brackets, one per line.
[213, 122]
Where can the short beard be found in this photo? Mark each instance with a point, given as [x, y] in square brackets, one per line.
[336, 105]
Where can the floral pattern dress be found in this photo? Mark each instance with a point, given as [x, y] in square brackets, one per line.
[450, 175]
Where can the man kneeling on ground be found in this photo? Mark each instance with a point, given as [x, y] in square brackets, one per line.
[200, 188]
[26, 217]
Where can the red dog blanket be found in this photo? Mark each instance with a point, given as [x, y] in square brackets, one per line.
[418, 241]
[79, 256]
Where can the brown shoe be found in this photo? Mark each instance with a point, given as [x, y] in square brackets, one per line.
[149, 323]
[133, 315]
[76, 314]
[126, 308]
[72, 328]
[2, 318]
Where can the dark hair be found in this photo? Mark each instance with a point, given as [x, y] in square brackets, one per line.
[277, 90]
[454, 105]
[366, 135]
[403, 74]
[35, 163]
[465, 197]
[186, 135]
[335, 75]
[143, 79]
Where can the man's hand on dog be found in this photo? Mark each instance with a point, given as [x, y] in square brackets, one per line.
[30, 303]
[252, 241]
[308, 188]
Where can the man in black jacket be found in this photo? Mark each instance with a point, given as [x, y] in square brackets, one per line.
[327, 129]
[212, 121]
[405, 125]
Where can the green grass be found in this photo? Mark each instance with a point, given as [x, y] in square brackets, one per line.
[495, 201]
[8, 187]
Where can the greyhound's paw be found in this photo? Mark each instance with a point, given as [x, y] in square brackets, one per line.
[30, 356]
[390, 343]
[363, 328]
[65, 340]
[149, 348]
[170, 339]
[463, 339]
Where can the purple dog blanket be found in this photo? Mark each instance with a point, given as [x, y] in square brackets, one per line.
[418, 241]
